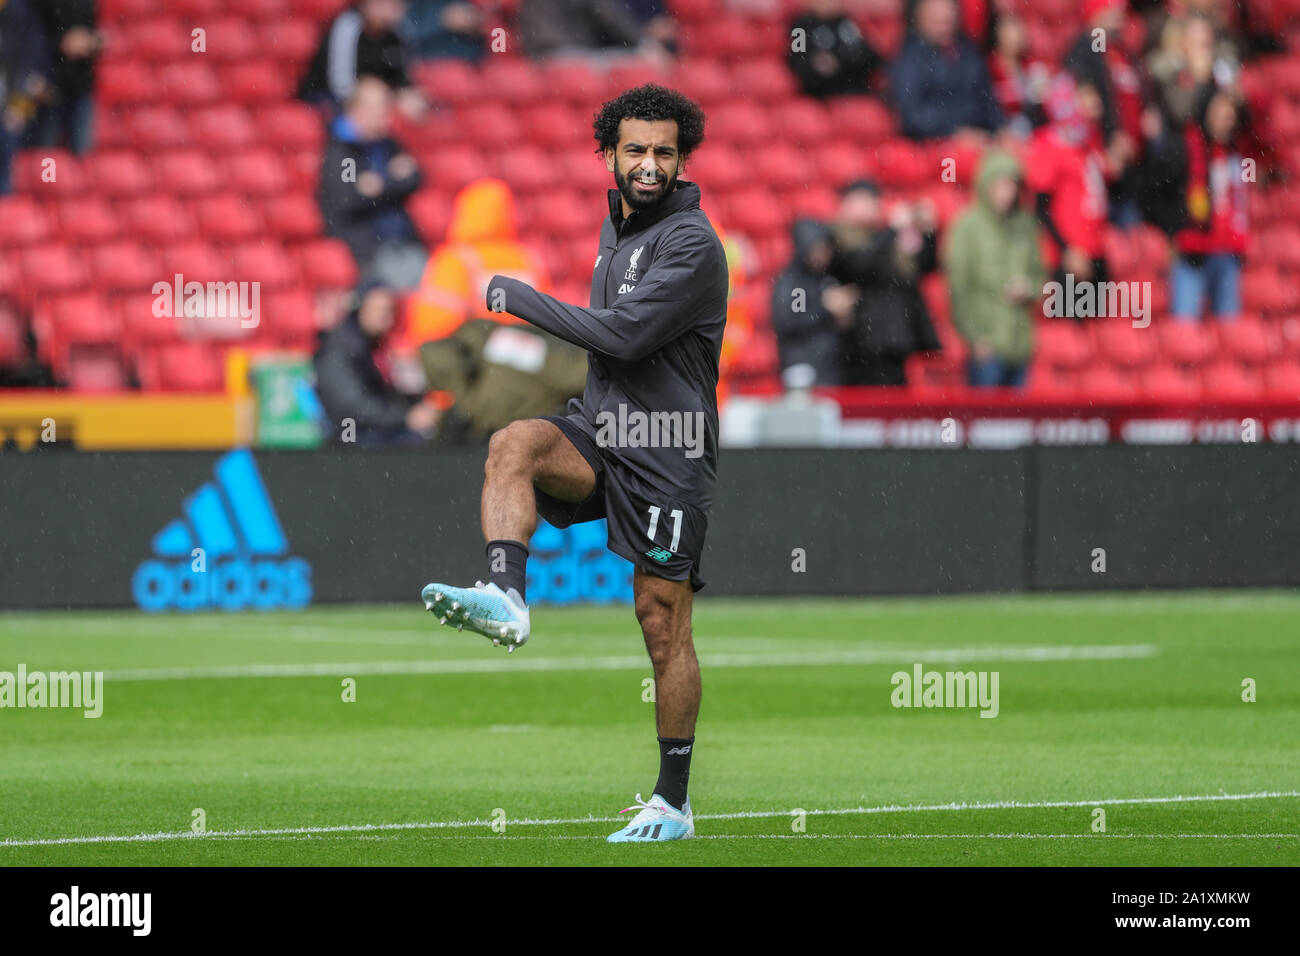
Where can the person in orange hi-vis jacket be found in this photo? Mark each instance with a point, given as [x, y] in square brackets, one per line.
[482, 241]
[740, 323]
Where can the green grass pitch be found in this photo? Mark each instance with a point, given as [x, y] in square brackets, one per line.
[1122, 702]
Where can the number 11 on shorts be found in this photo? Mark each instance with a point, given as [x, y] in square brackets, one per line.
[676, 515]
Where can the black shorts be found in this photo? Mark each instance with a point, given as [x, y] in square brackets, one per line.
[659, 534]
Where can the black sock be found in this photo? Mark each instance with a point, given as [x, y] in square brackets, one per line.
[674, 769]
[508, 565]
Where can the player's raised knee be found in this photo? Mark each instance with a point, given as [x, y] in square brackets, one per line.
[512, 448]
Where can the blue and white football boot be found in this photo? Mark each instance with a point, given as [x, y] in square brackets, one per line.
[657, 821]
[486, 609]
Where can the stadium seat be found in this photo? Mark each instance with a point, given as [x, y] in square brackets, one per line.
[1062, 344]
[186, 173]
[1119, 343]
[293, 216]
[23, 221]
[256, 81]
[1227, 380]
[230, 38]
[1107, 383]
[1173, 383]
[95, 369]
[79, 319]
[257, 172]
[154, 39]
[327, 264]
[863, 120]
[516, 82]
[119, 173]
[189, 84]
[182, 367]
[1248, 339]
[1187, 343]
[228, 217]
[140, 325]
[155, 128]
[44, 172]
[457, 82]
[1282, 379]
[265, 263]
[290, 41]
[220, 128]
[157, 219]
[13, 337]
[86, 220]
[122, 265]
[51, 269]
[289, 318]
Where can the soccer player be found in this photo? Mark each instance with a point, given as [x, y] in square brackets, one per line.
[641, 448]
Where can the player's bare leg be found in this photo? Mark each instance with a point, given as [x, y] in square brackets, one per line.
[521, 456]
[663, 608]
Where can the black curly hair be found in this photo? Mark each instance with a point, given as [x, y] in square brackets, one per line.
[650, 102]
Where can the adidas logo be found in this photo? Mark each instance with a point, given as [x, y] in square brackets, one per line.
[659, 554]
[227, 551]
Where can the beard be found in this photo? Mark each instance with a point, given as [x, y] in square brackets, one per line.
[641, 200]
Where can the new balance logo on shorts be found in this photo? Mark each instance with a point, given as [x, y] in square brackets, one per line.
[659, 554]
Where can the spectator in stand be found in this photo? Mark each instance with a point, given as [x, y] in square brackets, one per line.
[810, 311]
[590, 29]
[1100, 59]
[66, 118]
[24, 84]
[1067, 173]
[995, 275]
[1184, 66]
[445, 30]
[351, 385]
[1208, 209]
[939, 81]
[363, 40]
[365, 181]
[1020, 81]
[482, 240]
[885, 262]
[829, 55]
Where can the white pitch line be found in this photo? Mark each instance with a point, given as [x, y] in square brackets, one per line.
[499, 664]
[831, 836]
[743, 815]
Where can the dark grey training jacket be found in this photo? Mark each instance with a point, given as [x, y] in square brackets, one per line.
[653, 331]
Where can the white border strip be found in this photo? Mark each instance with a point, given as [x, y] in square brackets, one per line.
[744, 815]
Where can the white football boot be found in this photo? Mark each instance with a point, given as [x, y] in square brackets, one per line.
[484, 608]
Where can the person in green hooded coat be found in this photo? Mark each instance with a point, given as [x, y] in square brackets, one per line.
[995, 275]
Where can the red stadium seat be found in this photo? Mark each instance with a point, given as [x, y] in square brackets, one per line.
[294, 216]
[125, 81]
[123, 265]
[1228, 380]
[155, 39]
[290, 41]
[187, 173]
[327, 264]
[157, 219]
[51, 269]
[1107, 383]
[182, 367]
[231, 38]
[1282, 378]
[189, 84]
[95, 369]
[195, 260]
[263, 10]
[23, 221]
[864, 120]
[228, 217]
[704, 80]
[766, 80]
[430, 210]
[45, 172]
[1172, 383]
[1119, 343]
[289, 317]
[140, 324]
[155, 128]
[265, 263]
[1063, 344]
[222, 127]
[454, 81]
[195, 9]
[256, 81]
[13, 337]
[803, 121]
[257, 172]
[1248, 339]
[64, 321]
[86, 220]
[1187, 343]
[516, 82]
[119, 174]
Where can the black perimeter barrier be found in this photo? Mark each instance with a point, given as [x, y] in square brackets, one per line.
[377, 525]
